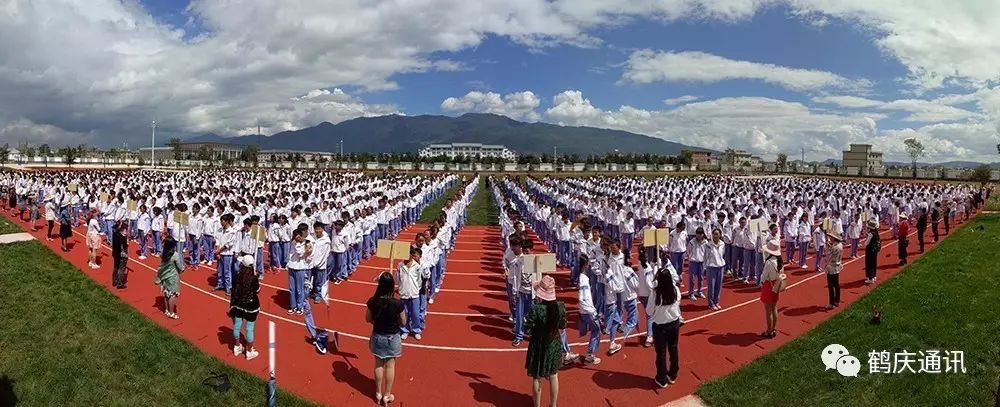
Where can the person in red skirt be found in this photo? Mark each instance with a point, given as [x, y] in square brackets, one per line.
[773, 282]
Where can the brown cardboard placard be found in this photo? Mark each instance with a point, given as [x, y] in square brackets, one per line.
[258, 233]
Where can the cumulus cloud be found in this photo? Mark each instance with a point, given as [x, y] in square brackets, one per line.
[517, 105]
[646, 66]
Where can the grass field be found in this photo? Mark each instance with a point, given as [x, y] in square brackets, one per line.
[433, 209]
[946, 300]
[66, 341]
[7, 227]
[482, 210]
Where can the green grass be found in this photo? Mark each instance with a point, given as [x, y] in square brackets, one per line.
[993, 204]
[946, 300]
[482, 210]
[433, 210]
[66, 341]
[7, 227]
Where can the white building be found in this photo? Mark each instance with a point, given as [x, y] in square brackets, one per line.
[862, 157]
[468, 150]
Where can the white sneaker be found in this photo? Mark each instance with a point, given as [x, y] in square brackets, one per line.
[142, 257]
[417, 337]
[430, 300]
[252, 353]
[237, 350]
[404, 336]
[804, 267]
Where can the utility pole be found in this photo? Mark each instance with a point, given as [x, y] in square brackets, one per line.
[803, 154]
[152, 147]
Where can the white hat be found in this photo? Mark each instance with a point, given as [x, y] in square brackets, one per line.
[248, 261]
[773, 247]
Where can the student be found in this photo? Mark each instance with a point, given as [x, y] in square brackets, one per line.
[411, 275]
[678, 246]
[904, 240]
[854, 230]
[387, 316]
[616, 274]
[544, 321]
[524, 293]
[284, 240]
[244, 305]
[195, 229]
[274, 247]
[834, 252]
[510, 257]
[65, 230]
[772, 276]
[225, 250]
[168, 277]
[791, 232]
[156, 229]
[119, 251]
[258, 247]
[872, 247]
[805, 236]
[339, 238]
[819, 244]
[50, 217]
[93, 238]
[696, 263]
[299, 264]
[322, 259]
[142, 225]
[627, 227]
[212, 224]
[33, 214]
[646, 283]
[666, 315]
[588, 318]
[935, 219]
[921, 227]
[715, 250]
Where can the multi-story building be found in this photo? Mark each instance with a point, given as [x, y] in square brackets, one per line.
[468, 150]
[862, 157]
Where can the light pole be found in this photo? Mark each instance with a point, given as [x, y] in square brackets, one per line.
[152, 147]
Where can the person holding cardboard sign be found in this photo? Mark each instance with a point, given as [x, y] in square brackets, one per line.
[410, 274]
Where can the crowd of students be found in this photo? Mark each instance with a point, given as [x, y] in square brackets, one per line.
[593, 225]
[318, 226]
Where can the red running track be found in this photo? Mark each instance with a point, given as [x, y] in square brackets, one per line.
[465, 357]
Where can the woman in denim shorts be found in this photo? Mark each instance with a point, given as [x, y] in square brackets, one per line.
[386, 314]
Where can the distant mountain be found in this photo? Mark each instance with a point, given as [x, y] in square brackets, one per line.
[410, 133]
[946, 164]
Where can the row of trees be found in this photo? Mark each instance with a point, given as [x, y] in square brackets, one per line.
[69, 155]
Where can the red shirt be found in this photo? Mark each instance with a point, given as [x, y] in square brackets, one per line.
[903, 229]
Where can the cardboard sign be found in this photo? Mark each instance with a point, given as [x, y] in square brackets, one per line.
[258, 233]
[827, 225]
[105, 197]
[394, 249]
[653, 237]
[539, 264]
[865, 216]
[181, 218]
[73, 187]
[132, 206]
[758, 225]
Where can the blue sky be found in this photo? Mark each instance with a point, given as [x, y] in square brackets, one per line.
[768, 76]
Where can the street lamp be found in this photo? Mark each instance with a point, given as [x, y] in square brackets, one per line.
[152, 147]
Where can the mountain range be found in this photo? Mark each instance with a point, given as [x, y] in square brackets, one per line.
[395, 133]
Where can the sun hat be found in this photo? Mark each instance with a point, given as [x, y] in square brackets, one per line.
[902, 215]
[835, 235]
[773, 247]
[546, 289]
[248, 261]
[873, 224]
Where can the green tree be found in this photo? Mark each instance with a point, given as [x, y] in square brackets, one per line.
[249, 154]
[685, 158]
[781, 162]
[981, 174]
[175, 145]
[69, 155]
[916, 150]
[206, 153]
[28, 151]
[45, 152]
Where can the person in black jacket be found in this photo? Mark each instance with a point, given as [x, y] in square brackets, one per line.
[119, 251]
[921, 227]
[872, 246]
[935, 219]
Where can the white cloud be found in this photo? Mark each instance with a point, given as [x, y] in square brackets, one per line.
[681, 100]
[517, 105]
[646, 66]
[919, 110]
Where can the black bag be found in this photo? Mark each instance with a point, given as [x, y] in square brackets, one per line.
[218, 382]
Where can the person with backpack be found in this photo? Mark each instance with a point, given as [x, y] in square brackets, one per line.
[665, 312]
[244, 305]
